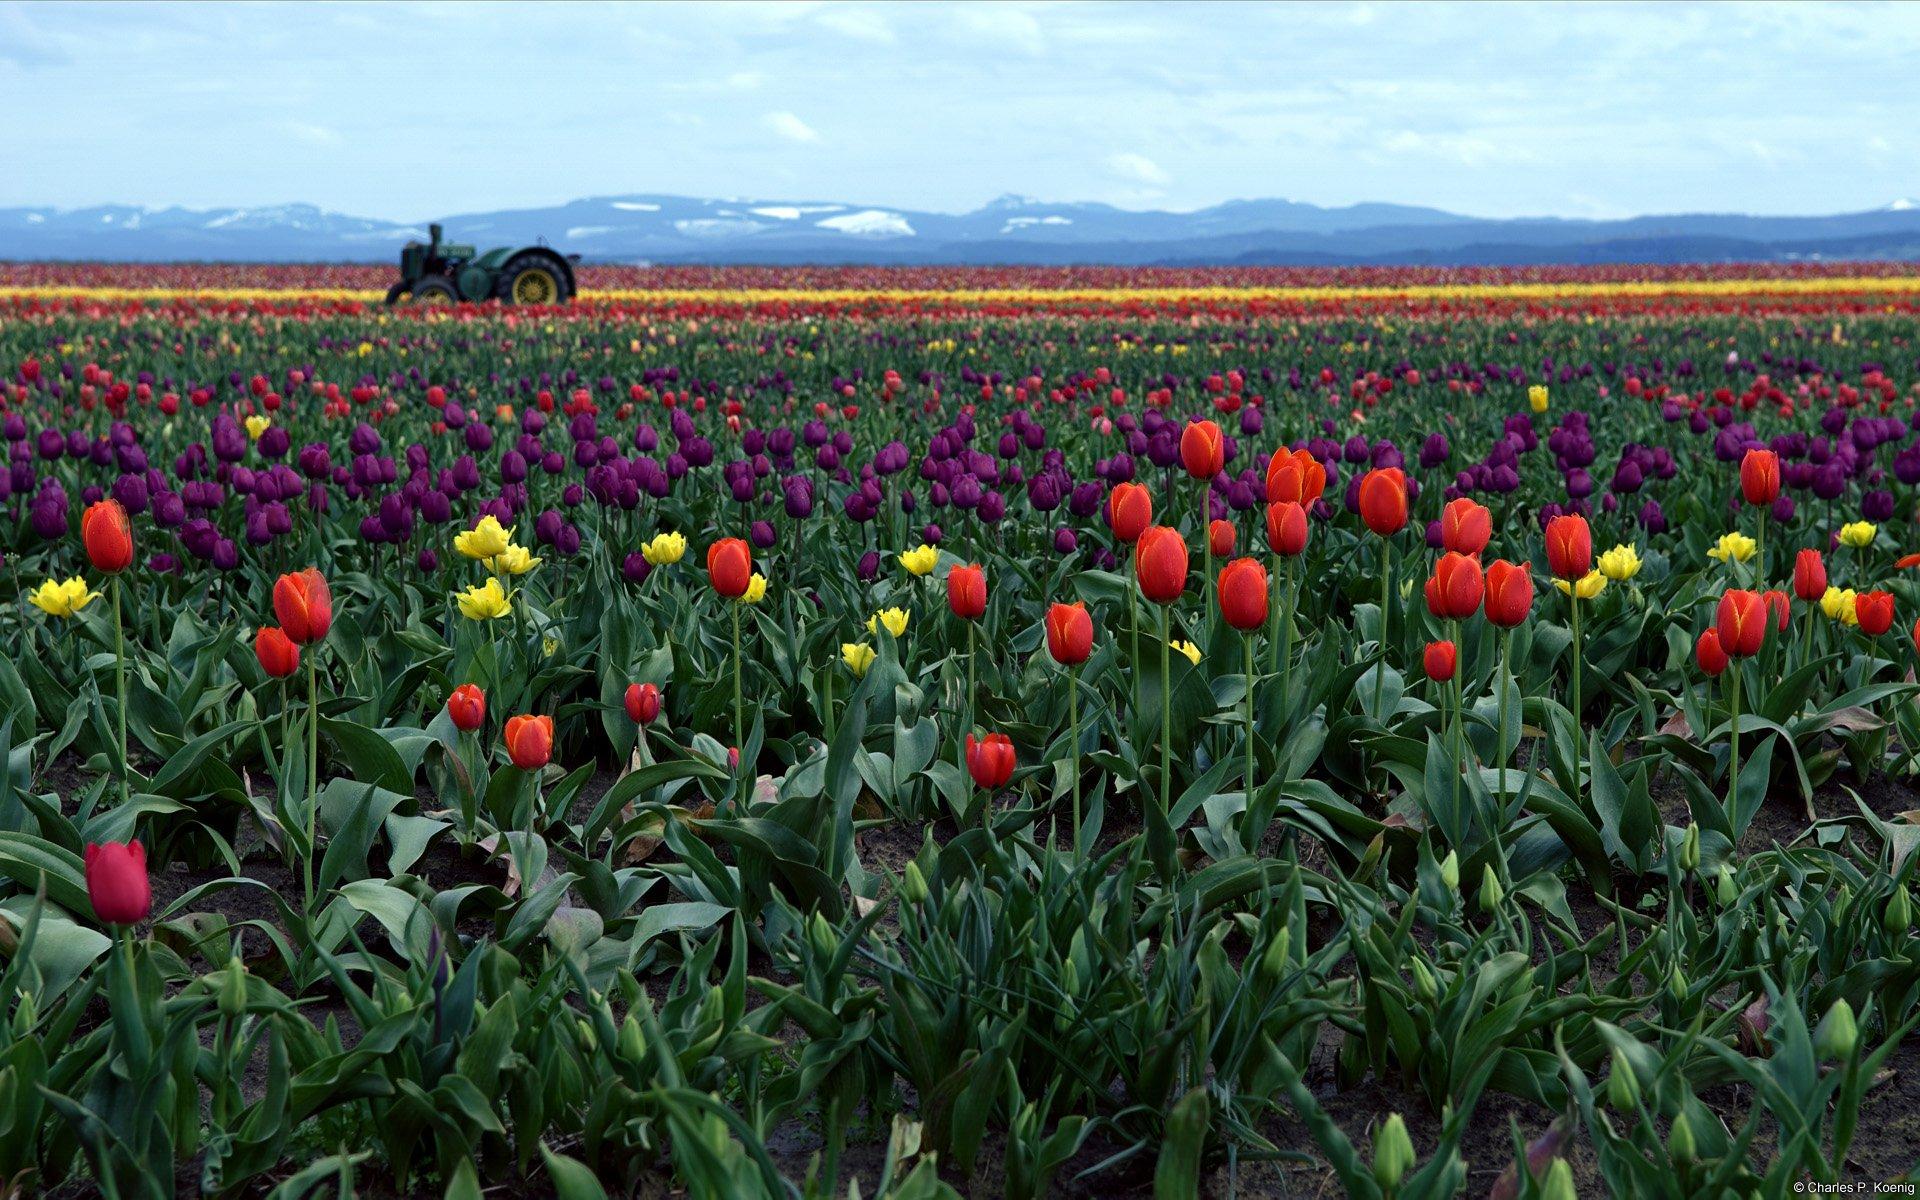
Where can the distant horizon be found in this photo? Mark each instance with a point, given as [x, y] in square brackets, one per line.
[1580, 111]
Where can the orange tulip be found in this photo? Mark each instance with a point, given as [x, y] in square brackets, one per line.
[1287, 527]
[107, 536]
[967, 592]
[1243, 593]
[529, 741]
[1203, 449]
[1569, 547]
[1760, 476]
[1809, 576]
[1160, 564]
[304, 604]
[730, 567]
[1129, 511]
[1383, 500]
[1295, 476]
[1465, 526]
[1220, 538]
[278, 655]
[1741, 621]
[1874, 610]
[1455, 590]
[1509, 593]
[1069, 634]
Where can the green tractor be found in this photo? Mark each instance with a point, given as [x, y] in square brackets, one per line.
[443, 273]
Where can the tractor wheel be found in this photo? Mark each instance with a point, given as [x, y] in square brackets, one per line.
[396, 294]
[435, 289]
[531, 279]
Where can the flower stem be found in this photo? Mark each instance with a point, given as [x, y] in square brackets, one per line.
[313, 769]
[1166, 720]
[1073, 720]
[1248, 639]
[120, 673]
[1380, 672]
[739, 734]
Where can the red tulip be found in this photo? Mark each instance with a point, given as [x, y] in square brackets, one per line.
[1439, 659]
[1203, 450]
[304, 604]
[117, 882]
[1465, 526]
[1569, 547]
[529, 741]
[1760, 476]
[1455, 590]
[967, 592]
[467, 705]
[1809, 576]
[1160, 563]
[1295, 477]
[643, 702]
[278, 655]
[1286, 527]
[1129, 511]
[1220, 538]
[1069, 634]
[1383, 500]
[990, 760]
[107, 536]
[1708, 653]
[1874, 610]
[1741, 621]
[1509, 593]
[730, 567]
[1243, 593]
[1779, 607]
[1916, 636]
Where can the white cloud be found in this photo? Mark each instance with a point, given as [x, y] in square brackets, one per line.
[1137, 168]
[1003, 26]
[318, 135]
[861, 24]
[790, 127]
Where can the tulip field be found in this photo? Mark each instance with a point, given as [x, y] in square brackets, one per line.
[1013, 732]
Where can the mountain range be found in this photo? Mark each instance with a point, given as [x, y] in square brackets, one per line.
[1011, 229]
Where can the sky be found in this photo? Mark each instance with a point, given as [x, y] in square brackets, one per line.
[406, 111]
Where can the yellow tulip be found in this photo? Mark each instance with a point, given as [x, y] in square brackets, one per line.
[1734, 547]
[665, 548]
[920, 560]
[1586, 588]
[1537, 397]
[257, 425]
[485, 602]
[488, 539]
[62, 599]
[1837, 603]
[514, 560]
[1190, 650]
[1858, 534]
[1620, 563]
[756, 589]
[895, 619]
[858, 656]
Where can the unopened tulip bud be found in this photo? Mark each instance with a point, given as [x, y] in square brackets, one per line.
[633, 1042]
[1677, 981]
[1623, 1087]
[913, 884]
[1690, 848]
[1273, 962]
[1899, 911]
[233, 989]
[26, 1012]
[825, 941]
[1836, 1035]
[1723, 889]
[1680, 1146]
[585, 1029]
[1559, 1184]
[1424, 985]
[1392, 1153]
[1070, 977]
[1491, 893]
[1450, 871]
